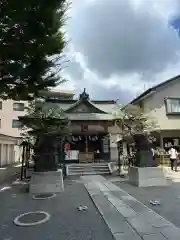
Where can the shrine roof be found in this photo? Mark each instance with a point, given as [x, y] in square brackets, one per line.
[103, 105]
[89, 116]
[86, 109]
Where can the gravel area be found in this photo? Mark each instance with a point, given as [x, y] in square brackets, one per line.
[66, 222]
[169, 197]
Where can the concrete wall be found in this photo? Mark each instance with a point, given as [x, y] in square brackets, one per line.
[154, 105]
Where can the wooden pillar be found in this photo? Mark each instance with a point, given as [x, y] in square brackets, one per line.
[0, 154]
[161, 140]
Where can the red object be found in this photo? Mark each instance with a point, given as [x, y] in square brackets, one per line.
[67, 147]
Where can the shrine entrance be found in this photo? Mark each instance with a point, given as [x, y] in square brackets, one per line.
[87, 148]
[90, 127]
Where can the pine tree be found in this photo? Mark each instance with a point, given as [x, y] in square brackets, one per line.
[31, 46]
[45, 119]
[44, 122]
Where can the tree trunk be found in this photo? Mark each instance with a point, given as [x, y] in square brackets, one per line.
[45, 155]
[22, 163]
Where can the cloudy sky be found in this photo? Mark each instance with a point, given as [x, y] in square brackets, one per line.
[119, 48]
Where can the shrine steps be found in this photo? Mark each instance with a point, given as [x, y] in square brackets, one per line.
[88, 169]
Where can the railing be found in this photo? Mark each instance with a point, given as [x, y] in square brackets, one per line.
[164, 160]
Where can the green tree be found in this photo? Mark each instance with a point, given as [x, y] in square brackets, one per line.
[31, 46]
[135, 126]
[45, 121]
[134, 121]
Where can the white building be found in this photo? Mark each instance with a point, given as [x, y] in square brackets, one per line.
[162, 102]
[10, 126]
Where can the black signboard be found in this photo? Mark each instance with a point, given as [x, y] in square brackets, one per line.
[168, 142]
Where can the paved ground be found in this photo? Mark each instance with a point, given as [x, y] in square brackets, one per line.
[9, 172]
[169, 197]
[66, 222]
[127, 217]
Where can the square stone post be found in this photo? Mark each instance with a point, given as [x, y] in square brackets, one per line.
[113, 136]
[113, 147]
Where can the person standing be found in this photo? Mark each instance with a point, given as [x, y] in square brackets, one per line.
[173, 158]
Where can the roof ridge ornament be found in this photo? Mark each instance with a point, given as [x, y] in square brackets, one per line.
[84, 95]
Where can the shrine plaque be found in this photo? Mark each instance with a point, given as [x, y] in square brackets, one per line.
[84, 128]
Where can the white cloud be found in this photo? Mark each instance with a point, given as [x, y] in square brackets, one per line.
[152, 16]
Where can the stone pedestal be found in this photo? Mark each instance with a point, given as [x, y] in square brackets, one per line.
[47, 182]
[146, 176]
[113, 147]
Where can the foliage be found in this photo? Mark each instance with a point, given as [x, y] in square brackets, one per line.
[45, 118]
[27, 137]
[44, 122]
[136, 129]
[133, 121]
[31, 46]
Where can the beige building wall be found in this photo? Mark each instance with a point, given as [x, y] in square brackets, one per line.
[154, 105]
[10, 152]
[7, 114]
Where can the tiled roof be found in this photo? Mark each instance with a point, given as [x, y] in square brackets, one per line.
[110, 109]
[154, 89]
[89, 116]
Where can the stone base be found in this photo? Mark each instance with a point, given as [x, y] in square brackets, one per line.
[112, 167]
[146, 176]
[46, 182]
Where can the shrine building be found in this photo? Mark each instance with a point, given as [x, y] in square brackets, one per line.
[94, 135]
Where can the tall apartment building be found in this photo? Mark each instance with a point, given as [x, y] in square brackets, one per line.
[10, 126]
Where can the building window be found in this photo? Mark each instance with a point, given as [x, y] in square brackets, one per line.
[18, 106]
[0, 104]
[172, 105]
[16, 123]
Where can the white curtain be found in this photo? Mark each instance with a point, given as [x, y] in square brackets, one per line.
[173, 105]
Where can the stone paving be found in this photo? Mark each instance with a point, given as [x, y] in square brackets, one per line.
[168, 196]
[9, 172]
[171, 175]
[66, 222]
[126, 217]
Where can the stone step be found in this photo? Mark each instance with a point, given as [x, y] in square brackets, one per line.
[88, 173]
[87, 169]
[88, 164]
